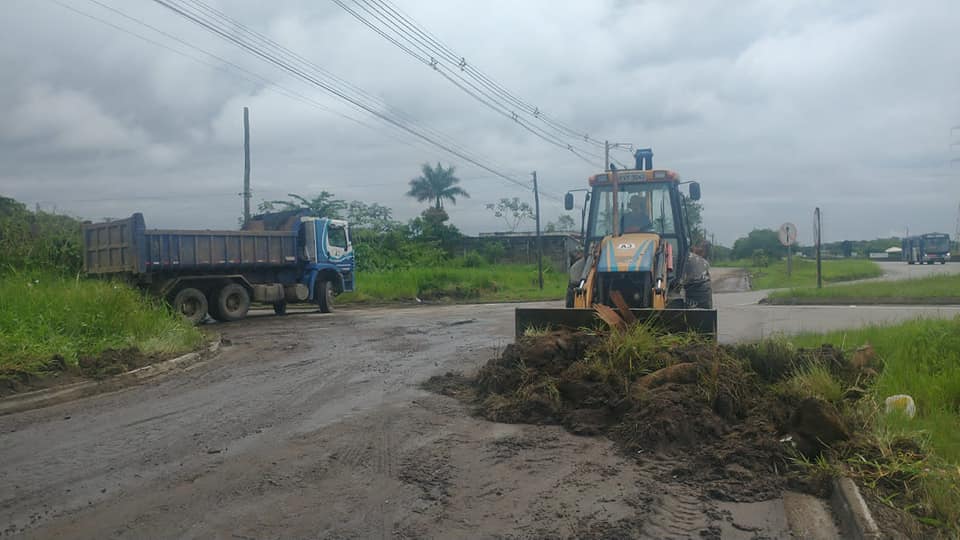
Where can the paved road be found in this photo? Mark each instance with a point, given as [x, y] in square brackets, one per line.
[314, 426]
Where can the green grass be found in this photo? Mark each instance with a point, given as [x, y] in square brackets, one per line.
[928, 287]
[804, 272]
[43, 315]
[485, 283]
[920, 358]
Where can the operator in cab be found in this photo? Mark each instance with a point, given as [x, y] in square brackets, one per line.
[637, 219]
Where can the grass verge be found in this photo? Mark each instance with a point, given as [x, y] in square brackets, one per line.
[804, 272]
[50, 323]
[943, 286]
[917, 465]
[485, 283]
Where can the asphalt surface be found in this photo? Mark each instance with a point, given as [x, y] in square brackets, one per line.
[314, 426]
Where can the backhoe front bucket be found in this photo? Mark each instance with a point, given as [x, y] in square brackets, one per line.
[701, 321]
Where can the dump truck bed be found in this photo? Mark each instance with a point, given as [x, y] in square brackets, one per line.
[126, 246]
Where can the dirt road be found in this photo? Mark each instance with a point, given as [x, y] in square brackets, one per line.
[314, 426]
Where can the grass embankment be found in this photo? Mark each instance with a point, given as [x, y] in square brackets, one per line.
[920, 358]
[49, 324]
[804, 272]
[942, 288]
[493, 283]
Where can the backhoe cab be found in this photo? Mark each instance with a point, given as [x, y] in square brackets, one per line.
[636, 255]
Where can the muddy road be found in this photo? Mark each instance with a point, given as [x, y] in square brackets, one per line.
[315, 426]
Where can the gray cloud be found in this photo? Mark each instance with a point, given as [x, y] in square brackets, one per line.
[774, 107]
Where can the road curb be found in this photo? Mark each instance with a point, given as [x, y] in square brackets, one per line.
[50, 396]
[892, 301]
[852, 512]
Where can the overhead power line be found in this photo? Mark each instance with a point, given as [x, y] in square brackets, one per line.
[284, 59]
[389, 23]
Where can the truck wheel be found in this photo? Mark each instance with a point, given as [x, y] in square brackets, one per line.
[233, 302]
[191, 303]
[280, 308]
[324, 296]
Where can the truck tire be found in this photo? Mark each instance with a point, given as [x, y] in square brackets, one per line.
[280, 308]
[191, 304]
[324, 296]
[233, 302]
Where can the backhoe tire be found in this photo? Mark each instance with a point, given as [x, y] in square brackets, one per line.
[699, 295]
[191, 304]
[233, 302]
[324, 296]
[569, 300]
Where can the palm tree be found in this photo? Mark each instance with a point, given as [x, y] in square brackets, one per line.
[436, 184]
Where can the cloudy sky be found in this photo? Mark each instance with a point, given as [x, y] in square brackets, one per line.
[774, 106]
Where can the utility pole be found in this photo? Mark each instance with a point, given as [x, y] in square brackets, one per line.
[816, 238]
[246, 166]
[536, 203]
[607, 145]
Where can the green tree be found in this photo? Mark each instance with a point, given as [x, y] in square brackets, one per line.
[694, 216]
[512, 211]
[766, 239]
[373, 216]
[436, 185]
[323, 205]
[563, 223]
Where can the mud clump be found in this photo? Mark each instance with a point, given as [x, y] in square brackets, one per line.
[112, 362]
[666, 395]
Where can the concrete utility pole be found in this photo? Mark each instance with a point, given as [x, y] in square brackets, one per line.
[246, 166]
[536, 203]
[816, 238]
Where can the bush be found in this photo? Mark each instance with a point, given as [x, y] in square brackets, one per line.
[38, 240]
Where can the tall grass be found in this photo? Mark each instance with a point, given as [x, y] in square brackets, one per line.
[484, 283]
[42, 315]
[920, 358]
[942, 286]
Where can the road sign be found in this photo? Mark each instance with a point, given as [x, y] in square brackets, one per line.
[788, 234]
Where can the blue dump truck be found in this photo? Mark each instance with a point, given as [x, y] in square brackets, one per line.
[295, 259]
[927, 248]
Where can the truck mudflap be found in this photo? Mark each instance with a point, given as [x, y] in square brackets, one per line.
[701, 321]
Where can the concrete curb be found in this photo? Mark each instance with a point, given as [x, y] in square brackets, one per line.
[51, 396]
[852, 511]
[892, 301]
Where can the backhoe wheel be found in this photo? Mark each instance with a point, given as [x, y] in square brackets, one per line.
[569, 301]
[191, 303]
[699, 295]
[324, 296]
[233, 302]
[280, 308]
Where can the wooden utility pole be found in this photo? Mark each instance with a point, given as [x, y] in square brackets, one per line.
[246, 166]
[536, 203]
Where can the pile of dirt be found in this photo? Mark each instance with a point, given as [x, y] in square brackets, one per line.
[679, 396]
[113, 362]
[57, 371]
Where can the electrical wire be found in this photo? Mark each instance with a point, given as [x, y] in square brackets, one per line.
[327, 85]
[382, 22]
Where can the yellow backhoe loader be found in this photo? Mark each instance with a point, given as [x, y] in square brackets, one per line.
[636, 256]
